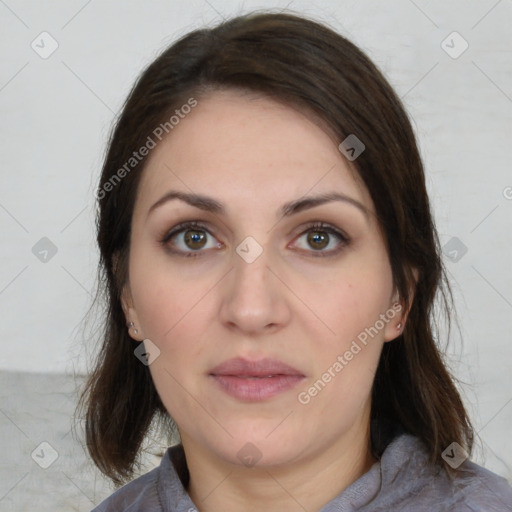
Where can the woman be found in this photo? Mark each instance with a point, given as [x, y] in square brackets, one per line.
[270, 263]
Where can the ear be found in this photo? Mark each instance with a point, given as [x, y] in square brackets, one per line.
[130, 314]
[397, 313]
[129, 310]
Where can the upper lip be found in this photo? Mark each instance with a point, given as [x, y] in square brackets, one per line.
[240, 367]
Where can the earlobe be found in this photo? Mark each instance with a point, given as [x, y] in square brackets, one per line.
[127, 305]
[132, 321]
[396, 317]
[399, 312]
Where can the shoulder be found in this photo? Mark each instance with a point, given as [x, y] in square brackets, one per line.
[411, 482]
[139, 495]
[476, 489]
[160, 490]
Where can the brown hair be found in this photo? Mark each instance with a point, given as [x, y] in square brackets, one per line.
[301, 62]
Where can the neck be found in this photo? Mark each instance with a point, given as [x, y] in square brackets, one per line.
[307, 484]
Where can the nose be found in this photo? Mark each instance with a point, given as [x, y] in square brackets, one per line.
[254, 298]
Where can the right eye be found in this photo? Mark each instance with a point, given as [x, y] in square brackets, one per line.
[188, 239]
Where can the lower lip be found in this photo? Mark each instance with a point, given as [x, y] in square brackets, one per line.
[255, 390]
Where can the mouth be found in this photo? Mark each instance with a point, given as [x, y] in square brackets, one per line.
[253, 381]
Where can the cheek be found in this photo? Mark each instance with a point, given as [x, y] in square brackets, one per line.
[164, 299]
[174, 314]
[346, 355]
[352, 299]
[176, 322]
[345, 360]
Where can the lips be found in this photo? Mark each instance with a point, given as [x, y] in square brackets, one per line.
[255, 380]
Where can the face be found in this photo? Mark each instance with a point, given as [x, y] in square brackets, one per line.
[302, 299]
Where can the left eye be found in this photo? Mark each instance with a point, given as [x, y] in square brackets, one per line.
[319, 236]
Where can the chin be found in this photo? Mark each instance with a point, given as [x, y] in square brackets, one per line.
[257, 449]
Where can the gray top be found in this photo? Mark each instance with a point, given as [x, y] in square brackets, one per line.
[401, 481]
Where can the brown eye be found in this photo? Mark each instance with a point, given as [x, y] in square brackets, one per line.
[319, 236]
[188, 239]
[195, 239]
[318, 239]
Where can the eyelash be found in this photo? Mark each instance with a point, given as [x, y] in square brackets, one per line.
[194, 225]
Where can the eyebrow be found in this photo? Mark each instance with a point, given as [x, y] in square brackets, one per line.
[209, 204]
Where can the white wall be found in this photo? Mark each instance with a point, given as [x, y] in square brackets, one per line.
[56, 114]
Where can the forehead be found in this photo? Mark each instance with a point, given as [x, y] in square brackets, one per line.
[239, 146]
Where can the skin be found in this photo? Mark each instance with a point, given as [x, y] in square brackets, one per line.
[253, 155]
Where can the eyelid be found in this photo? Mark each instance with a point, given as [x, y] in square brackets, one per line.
[183, 226]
